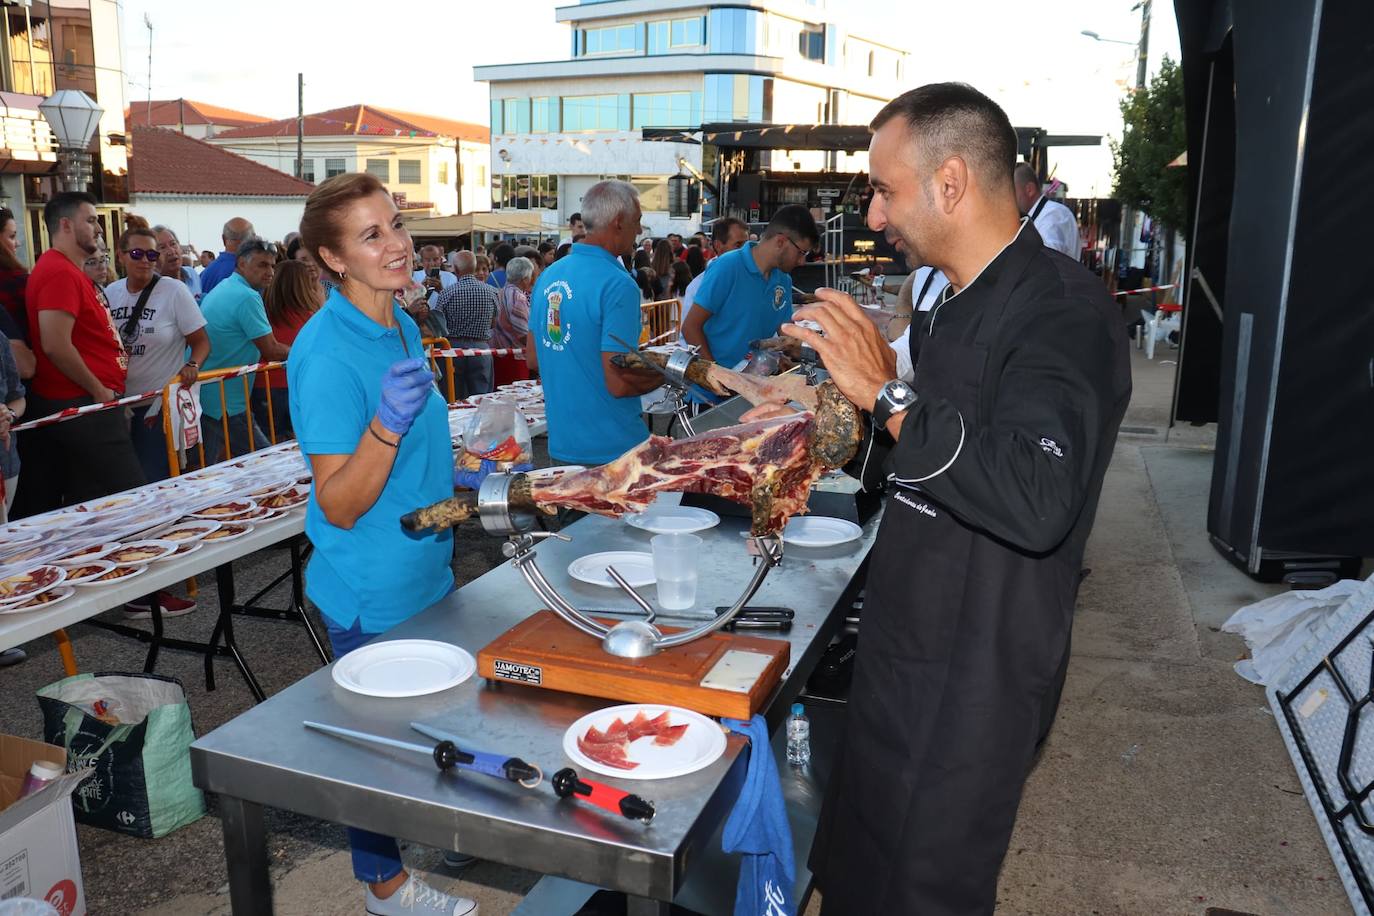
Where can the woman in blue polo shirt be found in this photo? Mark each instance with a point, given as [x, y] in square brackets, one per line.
[375, 429]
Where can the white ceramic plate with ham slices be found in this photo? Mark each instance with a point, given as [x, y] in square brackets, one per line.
[644, 741]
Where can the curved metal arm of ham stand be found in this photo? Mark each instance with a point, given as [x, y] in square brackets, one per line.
[629, 638]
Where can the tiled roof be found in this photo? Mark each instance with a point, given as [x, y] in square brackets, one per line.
[171, 112]
[364, 121]
[166, 162]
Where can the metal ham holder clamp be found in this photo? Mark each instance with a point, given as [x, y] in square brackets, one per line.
[630, 638]
[677, 385]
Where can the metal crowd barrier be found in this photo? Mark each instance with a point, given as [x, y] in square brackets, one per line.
[660, 321]
[450, 355]
[220, 378]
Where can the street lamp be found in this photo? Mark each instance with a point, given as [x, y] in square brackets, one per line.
[73, 116]
[1115, 41]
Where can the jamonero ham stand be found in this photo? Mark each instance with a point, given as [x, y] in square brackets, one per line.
[700, 668]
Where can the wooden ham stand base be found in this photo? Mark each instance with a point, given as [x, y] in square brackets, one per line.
[545, 651]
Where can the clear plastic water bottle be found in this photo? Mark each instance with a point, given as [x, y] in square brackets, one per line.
[798, 737]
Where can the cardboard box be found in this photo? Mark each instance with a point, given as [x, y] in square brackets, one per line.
[38, 855]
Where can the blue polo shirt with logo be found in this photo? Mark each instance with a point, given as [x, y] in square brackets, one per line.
[374, 572]
[580, 305]
[744, 304]
[234, 318]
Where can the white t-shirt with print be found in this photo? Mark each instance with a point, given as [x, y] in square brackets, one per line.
[160, 350]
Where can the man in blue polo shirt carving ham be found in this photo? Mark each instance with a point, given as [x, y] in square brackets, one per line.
[747, 294]
[582, 307]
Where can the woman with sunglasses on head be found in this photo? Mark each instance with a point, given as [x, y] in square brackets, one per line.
[375, 430]
[157, 319]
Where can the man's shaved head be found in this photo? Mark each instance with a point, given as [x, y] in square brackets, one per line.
[1027, 184]
[954, 119]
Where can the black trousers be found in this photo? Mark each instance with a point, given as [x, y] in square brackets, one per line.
[73, 461]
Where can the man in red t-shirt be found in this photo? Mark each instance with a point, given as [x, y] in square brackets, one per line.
[80, 361]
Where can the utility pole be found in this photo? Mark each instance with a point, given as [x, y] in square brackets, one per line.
[148, 21]
[300, 125]
[1143, 49]
[458, 159]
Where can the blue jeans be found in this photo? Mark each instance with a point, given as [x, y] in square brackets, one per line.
[376, 858]
[150, 444]
[212, 437]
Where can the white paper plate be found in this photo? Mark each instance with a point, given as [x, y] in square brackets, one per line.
[700, 746]
[93, 552]
[180, 532]
[101, 567]
[819, 531]
[403, 668]
[673, 519]
[236, 529]
[30, 582]
[162, 549]
[60, 593]
[98, 583]
[636, 567]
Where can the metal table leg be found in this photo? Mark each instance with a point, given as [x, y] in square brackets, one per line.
[245, 854]
[155, 643]
[224, 578]
[298, 600]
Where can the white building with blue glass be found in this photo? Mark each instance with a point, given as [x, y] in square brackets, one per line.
[557, 127]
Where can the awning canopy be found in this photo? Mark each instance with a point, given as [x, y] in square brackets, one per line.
[843, 137]
[768, 136]
[434, 227]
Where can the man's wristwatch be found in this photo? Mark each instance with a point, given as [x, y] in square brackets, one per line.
[893, 398]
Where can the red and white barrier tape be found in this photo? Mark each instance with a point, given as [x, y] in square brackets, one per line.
[127, 400]
[482, 352]
[1143, 289]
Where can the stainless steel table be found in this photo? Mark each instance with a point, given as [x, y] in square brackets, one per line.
[265, 757]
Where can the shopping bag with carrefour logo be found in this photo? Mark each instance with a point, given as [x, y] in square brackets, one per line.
[134, 731]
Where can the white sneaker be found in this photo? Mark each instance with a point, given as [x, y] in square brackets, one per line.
[416, 898]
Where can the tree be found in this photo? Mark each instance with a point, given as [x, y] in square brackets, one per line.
[1155, 133]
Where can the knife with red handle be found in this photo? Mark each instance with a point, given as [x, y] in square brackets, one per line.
[567, 784]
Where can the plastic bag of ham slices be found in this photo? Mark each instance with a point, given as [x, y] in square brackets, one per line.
[500, 435]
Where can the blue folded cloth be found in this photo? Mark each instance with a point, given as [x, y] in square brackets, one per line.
[758, 830]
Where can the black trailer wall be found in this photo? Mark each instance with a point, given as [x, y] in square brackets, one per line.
[1294, 470]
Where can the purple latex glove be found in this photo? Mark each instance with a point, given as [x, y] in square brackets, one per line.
[405, 388]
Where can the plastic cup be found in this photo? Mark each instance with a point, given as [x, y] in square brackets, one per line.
[675, 569]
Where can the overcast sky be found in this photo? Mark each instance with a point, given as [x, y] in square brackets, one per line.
[1028, 55]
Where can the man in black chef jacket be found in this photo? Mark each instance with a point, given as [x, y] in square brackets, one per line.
[1021, 380]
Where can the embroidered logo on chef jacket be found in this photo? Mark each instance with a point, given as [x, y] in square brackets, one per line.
[779, 294]
[922, 507]
[557, 335]
[1050, 447]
